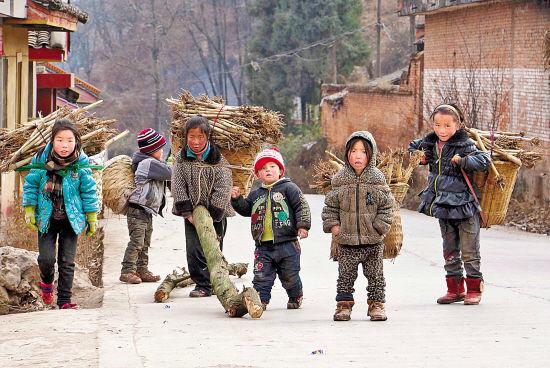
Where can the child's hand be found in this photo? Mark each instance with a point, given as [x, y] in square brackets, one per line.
[456, 159]
[30, 218]
[423, 159]
[190, 219]
[235, 192]
[335, 230]
[302, 233]
[91, 219]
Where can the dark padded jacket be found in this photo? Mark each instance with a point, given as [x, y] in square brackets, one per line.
[289, 210]
[447, 195]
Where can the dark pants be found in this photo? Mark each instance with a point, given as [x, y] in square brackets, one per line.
[196, 261]
[281, 259]
[461, 246]
[60, 231]
[371, 258]
[140, 227]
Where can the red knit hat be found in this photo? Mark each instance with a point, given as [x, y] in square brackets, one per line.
[149, 141]
[269, 155]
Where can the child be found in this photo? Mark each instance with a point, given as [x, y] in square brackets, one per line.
[359, 212]
[280, 215]
[146, 200]
[447, 150]
[60, 200]
[201, 177]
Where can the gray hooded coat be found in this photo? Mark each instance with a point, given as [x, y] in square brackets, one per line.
[362, 205]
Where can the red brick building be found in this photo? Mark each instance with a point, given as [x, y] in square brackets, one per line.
[390, 107]
[486, 55]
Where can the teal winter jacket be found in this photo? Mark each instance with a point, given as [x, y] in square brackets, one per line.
[79, 192]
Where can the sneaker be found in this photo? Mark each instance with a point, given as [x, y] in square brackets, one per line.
[130, 278]
[147, 276]
[46, 292]
[68, 306]
[264, 305]
[199, 293]
[294, 303]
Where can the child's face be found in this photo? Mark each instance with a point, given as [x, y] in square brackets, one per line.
[196, 139]
[64, 143]
[445, 126]
[358, 157]
[269, 173]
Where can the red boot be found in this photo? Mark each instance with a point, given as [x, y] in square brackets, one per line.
[46, 292]
[455, 290]
[475, 288]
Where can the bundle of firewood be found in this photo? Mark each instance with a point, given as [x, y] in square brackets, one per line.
[18, 146]
[508, 146]
[236, 127]
[391, 163]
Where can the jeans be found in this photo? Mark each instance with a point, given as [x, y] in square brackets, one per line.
[140, 227]
[282, 259]
[196, 261]
[60, 231]
[461, 246]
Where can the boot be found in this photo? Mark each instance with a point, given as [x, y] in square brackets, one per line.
[475, 288]
[376, 311]
[455, 290]
[294, 303]
[46, 292]
[130, 278]
[343, 310]
[147, 276]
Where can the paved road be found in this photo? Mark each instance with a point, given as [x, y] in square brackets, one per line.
[511, 328]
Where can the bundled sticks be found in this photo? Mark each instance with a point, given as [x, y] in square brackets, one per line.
[508, 146]
[391, 163]
[18, 146]
[236, 127]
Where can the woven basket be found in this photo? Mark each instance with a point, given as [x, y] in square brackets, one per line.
[118, 183]
[394, 238]
[242, 167]
[495, 195]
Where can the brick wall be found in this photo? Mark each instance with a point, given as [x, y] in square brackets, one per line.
[390, 113]
[488, 50]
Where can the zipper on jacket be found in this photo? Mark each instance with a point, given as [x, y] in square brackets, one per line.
[357, 211]
[440, 154]
[270, 209]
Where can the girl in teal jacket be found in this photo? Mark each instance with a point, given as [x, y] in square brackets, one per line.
[60, 200]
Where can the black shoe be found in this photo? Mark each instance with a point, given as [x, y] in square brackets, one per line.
[294, 303]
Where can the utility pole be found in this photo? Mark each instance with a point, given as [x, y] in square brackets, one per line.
[378, 27]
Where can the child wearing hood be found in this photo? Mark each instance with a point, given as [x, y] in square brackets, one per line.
[359, 212]
[279, 216]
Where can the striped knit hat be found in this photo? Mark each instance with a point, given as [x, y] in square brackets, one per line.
[269, 155]
[149, 141]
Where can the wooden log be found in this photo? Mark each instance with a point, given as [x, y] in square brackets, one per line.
[169, 283]
[235, 304]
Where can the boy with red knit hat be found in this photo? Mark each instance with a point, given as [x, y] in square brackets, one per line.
[279, 216]
[146, 200]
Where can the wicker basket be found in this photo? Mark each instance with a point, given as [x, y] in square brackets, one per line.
[495, 195]
[118, 183]
[98, 178]
[242, 163]
[394, 238]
